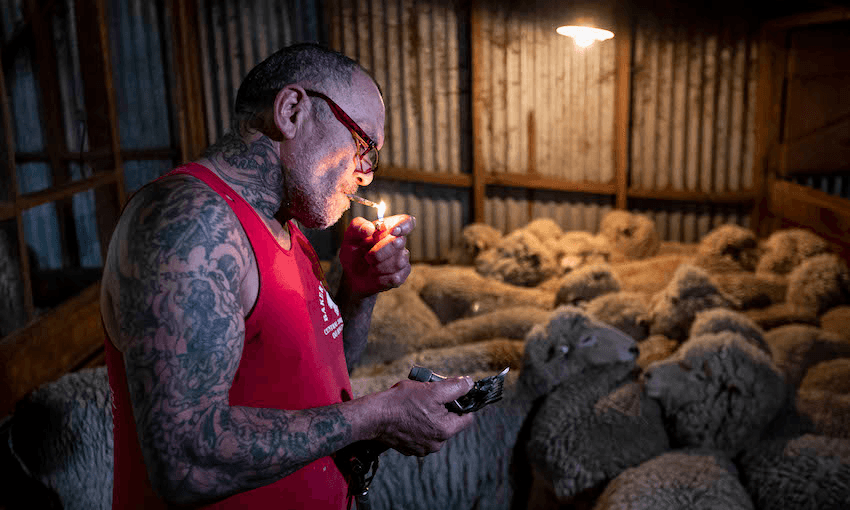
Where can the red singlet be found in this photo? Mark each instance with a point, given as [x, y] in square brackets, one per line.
[292, 359]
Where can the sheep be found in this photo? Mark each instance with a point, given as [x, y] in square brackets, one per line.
[728, 248]
[802, 472]
[673, 309]
[837, 320]
[648, 276]
[684, 479]
[61, 434]
[486, 355]
[587, 431]
[474, 239]
[398, 316]
[510, 322]
[827, 412]
[785, 249]
[577, 249]
[677, 248]
[626, 311]
[819, 283]
[716, 320]
[717, 391]
[781, 314]
[474, 469]
[544, 229]
[796, 347]
[585, 284]
[832, 375]
[655, 348]
[519, 258]
[633, 235]
[455, 292]
[752, 290]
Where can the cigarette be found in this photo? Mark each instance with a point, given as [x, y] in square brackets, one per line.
[361, 200]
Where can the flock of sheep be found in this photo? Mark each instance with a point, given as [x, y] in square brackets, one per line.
[644, 374]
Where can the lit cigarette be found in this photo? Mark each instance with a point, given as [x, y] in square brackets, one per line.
[363, 201]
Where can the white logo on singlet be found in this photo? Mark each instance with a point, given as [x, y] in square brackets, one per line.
[333, 323]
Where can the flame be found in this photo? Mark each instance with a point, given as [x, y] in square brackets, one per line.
[382, 207]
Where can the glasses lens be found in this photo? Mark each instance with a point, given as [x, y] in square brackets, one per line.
[369, 159]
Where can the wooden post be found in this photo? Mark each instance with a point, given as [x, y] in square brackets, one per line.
[190, 91]
[622, 106]
[101, 112]
[9, 164]
[478, 107]
[48, 78]
[772, 66]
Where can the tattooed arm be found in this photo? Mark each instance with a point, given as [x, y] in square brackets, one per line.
[172, 286]
[372, 261]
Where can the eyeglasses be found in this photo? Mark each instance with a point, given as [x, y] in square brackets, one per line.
[366, 148]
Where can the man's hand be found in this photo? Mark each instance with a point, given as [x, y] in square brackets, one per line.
[373, 259]
[418, 422]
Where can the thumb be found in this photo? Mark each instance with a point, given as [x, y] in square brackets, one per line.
[359, 229]
[452, 389]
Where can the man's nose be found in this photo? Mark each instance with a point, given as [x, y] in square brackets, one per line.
[363, 179]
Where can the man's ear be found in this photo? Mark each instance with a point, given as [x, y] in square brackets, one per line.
[291, 108]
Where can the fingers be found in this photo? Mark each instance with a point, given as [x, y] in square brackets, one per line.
[399, 225]
[451, 389]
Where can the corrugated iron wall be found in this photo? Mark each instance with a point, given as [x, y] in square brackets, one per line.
[693, 118]
[236, 35]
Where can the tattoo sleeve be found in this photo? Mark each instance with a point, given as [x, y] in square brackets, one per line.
[178, 269]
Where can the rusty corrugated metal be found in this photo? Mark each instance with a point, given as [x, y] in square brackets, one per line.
[693, 106]
[418, 54]
[693, 119]
[550, 103]
[237, 35]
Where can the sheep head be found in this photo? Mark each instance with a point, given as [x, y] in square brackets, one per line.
[717, 391]
[674, 308]
[570, 344]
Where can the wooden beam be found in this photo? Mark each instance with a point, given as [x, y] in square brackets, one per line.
[832, 15]
[55, 193]
[101, 111]
[729, 197]
[823, 213]
[7, 211]
[48, 348]
[190, 90]
[407, 175]
[548, 183]
[101, 155]
[622, 106]
[479, 98]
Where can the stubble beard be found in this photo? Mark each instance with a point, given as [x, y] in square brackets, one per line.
[315, 205]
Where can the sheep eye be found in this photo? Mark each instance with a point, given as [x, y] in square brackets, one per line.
[564, 349]
[684, 365]
[587, 340]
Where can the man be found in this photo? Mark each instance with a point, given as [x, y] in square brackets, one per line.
[226, 360]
